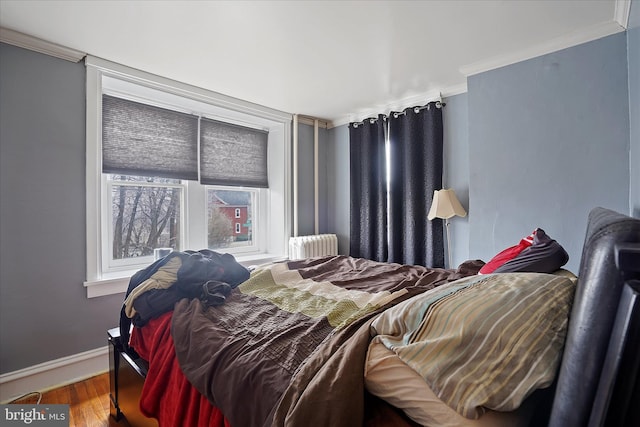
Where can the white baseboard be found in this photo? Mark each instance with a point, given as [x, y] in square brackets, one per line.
[54, 373]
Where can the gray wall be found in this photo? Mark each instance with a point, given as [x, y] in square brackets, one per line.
[548, 141]
[456, 172]
[306, 211]
[633, 50]
[44, 311]
[305, 180]
[337, 182]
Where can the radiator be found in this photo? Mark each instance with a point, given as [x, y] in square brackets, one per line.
[310, 246]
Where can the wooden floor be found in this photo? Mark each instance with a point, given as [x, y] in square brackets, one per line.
[88, 402]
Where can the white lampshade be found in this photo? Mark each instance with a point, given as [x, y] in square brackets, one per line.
[445, 205]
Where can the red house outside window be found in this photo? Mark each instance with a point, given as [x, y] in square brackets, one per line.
[230, 218]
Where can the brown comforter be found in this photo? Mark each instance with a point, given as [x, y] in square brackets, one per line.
[288, 346]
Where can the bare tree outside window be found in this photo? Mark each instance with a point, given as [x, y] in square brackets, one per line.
[220, 230]
[145, 217]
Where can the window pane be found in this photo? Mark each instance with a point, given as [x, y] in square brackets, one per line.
[230, 216]
[144, 218]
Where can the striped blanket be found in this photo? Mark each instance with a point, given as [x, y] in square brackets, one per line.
[483, 341]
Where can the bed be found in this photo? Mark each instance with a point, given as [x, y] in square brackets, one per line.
[340, 341]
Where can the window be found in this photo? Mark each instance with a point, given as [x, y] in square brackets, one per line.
[164, 148]
[174, 166]
[221, 214]
[146, 213]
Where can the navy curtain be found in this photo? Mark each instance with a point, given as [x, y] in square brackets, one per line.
[389, 217]
[416, 146]
[368, 189]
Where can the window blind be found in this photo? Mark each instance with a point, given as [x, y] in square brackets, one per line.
[140, 139]
[232, 155]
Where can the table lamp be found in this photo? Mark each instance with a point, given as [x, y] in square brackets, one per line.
[446, 205]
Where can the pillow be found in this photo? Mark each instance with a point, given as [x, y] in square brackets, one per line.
[545, 255]
[485, 341]
[566, 273]
[507, 255]
[392, 380]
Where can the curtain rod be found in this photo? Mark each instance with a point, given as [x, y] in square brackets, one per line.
[438, 104]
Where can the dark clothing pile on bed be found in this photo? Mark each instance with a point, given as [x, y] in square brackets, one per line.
[205, 274]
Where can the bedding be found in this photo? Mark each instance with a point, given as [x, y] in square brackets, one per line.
[483, 342]
[326, 310]
[166, 393]
[290, 343]
[392, 380]
[293, 347]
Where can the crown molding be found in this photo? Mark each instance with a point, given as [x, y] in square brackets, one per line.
[454, 90]
[621, 12]
[593, 33]
[26, 41]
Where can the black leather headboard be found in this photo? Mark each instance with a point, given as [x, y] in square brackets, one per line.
[594, 310]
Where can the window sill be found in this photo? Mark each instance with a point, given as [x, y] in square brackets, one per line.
[102, 287]
[118, 285]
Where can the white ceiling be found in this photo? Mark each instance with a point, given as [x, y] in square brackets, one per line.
[335, 60]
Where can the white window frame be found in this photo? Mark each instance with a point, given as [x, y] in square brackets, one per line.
[275, 203]
[237, 212]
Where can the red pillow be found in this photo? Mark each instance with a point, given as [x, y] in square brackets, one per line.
[507, 255]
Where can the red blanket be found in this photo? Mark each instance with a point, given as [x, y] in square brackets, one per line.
[167, 395]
